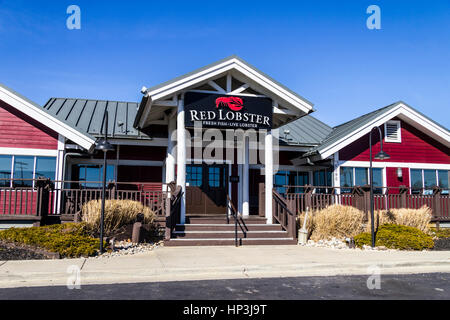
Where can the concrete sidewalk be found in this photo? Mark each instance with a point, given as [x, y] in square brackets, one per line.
[201, 263]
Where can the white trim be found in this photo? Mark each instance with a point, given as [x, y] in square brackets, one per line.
[28, 152]
[438, 166]
[216, 86]
[44, 118]
[226, 67]
[405, 113]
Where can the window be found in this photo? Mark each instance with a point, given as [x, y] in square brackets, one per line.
[351, 176]
[290, 178]
[23, 171]
[392, 131]
[214, 177]
[322, 178]
[92, 174]
[194, 176]
[443, 178]
[5, 171]
[426, 180]
[280, 181]
[45, 168]
[361, 177]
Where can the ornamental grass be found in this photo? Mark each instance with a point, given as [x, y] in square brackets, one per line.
[118, 213]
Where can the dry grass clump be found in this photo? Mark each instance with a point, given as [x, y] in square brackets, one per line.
[416, 218]
[118, 213]
[336, 221]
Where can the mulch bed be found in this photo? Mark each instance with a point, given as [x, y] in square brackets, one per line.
[442, 244]
[11, 253]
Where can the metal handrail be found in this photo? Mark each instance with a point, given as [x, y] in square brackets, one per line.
[235, 213]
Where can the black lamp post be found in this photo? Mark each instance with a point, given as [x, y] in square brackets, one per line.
[379, 156]
[104, 146]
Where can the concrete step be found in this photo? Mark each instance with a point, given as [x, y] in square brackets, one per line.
[229, 242]
[228, 234]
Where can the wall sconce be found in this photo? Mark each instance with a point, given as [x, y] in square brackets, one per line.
[399, 173]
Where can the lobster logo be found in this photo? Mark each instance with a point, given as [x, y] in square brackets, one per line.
[234, 103]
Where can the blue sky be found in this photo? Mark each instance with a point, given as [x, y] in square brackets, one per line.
[320, 49]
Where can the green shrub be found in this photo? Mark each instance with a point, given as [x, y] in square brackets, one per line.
[395, 236]
[441, 234]
[70, 240]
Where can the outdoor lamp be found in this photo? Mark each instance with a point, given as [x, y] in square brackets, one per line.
[104, 146]
[382, 155]
[399, 173]
[379, 156]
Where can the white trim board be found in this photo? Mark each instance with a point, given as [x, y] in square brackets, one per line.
[28, 152]
[41, 116]
[401, 111]
[366, 164]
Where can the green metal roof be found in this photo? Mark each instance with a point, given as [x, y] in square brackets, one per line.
[86, 116]
[306, 131]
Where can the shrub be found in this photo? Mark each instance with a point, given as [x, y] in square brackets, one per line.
[417, 218]
[336, 221]
[395, 236]
[118, 213]
[443, 233]
[69, 240]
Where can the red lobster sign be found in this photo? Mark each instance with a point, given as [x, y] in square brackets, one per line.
[234, 103]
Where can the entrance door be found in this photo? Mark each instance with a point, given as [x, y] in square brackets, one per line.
[206, 189]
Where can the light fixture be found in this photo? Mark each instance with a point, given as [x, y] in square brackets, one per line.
[382, 156]
[399, 173]
[104, 145]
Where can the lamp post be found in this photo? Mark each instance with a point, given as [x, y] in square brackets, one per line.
[104, 146]
[379, 156]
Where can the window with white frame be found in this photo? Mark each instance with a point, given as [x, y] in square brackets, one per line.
[427, 179]
[19, 171]
[393, 131]
[359, 176]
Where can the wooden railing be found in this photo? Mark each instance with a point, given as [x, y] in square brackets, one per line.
[359, 197]
[284, 215]
[51, 198]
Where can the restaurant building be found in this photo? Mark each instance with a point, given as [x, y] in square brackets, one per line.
[226, 131]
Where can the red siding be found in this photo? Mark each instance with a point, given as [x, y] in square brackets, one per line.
[415, 147]
[18, 130]
[393, 181]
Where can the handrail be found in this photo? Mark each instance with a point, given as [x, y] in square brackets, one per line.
[288, 222]
[234, 213]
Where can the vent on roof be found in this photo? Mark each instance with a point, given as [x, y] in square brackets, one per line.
[392, 130]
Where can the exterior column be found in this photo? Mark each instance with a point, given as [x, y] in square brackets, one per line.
[181, 158]
[170, 157]
[268, 155]
[245, 180]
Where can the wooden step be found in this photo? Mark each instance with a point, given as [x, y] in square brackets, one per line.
[228, 234]
[196, 219]
[227, 227]
[229, 242]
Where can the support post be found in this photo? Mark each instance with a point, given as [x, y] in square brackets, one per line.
[245, 180]
[181, 158]
[170, 157]
[268, 155]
